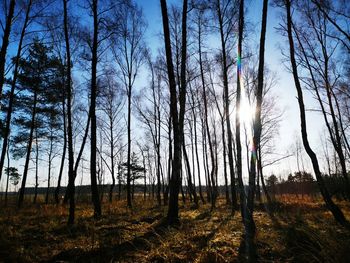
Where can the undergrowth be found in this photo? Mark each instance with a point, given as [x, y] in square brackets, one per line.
[299, 231]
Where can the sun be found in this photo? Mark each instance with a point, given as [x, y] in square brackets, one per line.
[246, 112]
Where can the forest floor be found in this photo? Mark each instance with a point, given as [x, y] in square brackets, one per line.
[301, 231]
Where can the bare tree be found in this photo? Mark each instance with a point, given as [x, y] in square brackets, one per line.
[111, 103]
[226, 26]
[129, 52]
[176, 115]
[337, 213]
[322, 78]
[93, 95]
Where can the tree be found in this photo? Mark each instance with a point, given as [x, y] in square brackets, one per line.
[129, 53]
[93, 94]
[14, 176]
[151, 116]
[176, 115]
[271, 183]
[7, 127]
[111, 103]
[238, 106]
[38, 79]
[337, 213]
[5, 43]
[312, 44]
[226, 26]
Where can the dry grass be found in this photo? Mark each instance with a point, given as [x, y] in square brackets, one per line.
[302, 231]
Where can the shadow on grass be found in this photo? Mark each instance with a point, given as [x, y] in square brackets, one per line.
[114, 252]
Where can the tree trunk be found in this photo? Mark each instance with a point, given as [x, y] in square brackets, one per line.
[49, 171]
[238, 121]
[206, 163]
[227, 194]
[94, 189]
[337, 213]
[29, 150]
[192, 191]
[166, 195]
[8, 175]
[197, 156]
[36, 170]
[260, 168]
[250, 224]
[227, 109]
[71, 171]
[206, 121]
[128, 175]
[175, 181]
[57, 190]
[12, 92]
[5, 43]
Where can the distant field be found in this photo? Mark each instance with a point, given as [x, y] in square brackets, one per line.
[301, 231]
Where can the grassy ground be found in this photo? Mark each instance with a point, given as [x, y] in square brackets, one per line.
[301, 231]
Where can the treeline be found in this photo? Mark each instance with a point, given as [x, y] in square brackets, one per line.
[302, 183]
[69, 79]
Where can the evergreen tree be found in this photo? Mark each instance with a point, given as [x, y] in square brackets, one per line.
[40, 88]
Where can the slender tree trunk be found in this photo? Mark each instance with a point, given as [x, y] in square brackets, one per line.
[197, 155]
[8, 175]
[144, 175]
[227, 109]
[94, 189]
[258, 190]
[71, 171]
[76, 164]
[337, 213]
[192, 191]
[36, 169]
[57, 190]
[260, 168]
[166, 196]
[238, 106]
[119, 184]
[206, 163]
[5, 43]
[49, 171]
[177, 119]
[193, 167]
[250, 227]
[333, 130]
[206, 121]
[227, 194]
[29, 150]
[128, 175]
[13, 87]
[214, 174]
[112, 161]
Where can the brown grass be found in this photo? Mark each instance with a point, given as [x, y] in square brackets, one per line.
[302, 231]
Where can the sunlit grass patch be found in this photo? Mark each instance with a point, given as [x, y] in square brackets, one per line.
[299, 232]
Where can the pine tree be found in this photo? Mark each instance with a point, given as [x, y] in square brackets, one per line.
[39, 86]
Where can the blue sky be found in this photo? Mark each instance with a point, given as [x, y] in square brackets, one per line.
[285, 90]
